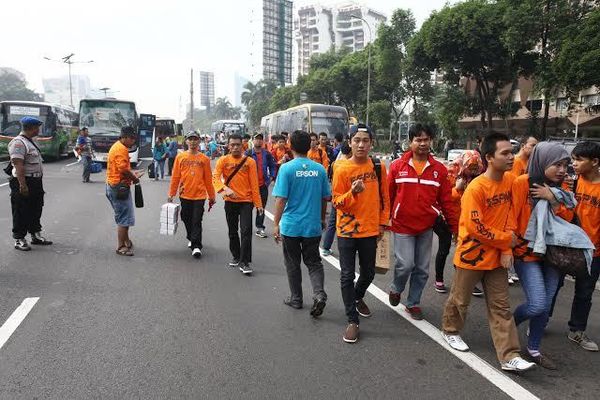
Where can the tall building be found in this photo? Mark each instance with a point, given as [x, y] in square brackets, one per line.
[207, 89]
[318, 29]
[56, 90]
[239, 83]
[277, 41]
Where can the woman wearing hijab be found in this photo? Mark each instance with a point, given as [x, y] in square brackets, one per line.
[461, 172]
[547, 168]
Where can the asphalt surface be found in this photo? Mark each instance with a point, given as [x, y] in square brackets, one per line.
[164, 325]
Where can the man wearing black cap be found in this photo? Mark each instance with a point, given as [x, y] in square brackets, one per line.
[27, 191]
[266, 168]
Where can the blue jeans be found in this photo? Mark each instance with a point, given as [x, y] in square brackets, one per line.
[123, 209]
[539, 284]
[582, 301]
[87, 167]
[159, 165]
[329, 234]
[412, 254]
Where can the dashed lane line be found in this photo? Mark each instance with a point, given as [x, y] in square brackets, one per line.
[479, 365]
[13, 322]
[4, 184]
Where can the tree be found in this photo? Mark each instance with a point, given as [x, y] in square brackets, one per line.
[223, 109]
[449, 105]
[465, 40]
[256, 98]
[13, 87]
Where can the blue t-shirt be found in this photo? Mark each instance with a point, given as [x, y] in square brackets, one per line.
[304, 184]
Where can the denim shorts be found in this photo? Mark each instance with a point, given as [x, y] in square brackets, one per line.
[123, 209]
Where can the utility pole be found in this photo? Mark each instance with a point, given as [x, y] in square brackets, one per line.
[67, 60]
[192, 98]
[368, 62]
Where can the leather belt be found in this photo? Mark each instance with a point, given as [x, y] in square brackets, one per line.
[34, 175]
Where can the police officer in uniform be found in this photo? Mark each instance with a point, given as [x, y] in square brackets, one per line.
[27, 191]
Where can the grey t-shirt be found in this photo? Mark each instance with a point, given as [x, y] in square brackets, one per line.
[21, 148]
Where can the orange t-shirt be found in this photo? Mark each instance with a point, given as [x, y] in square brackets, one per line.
[588, 210]
[279, 154]
[486, 224]
[419, 166]
[192, 176]
[359, 215]
[521, 210]
[319, 156]
[244, 183]
[117, 163]
[519, 166]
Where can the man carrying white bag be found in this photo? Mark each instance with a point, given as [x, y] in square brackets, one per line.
[192, 178]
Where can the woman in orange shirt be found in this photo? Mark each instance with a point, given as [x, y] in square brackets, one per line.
[461, 172]
[547, 168]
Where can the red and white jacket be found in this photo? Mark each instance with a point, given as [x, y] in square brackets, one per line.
[416, 201]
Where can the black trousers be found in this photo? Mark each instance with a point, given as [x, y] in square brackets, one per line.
[367, 250]
[296, 249]
[26, 210]
[170, 163]
[260, 218]
[239, 218]
[442, 230]
[192, 212]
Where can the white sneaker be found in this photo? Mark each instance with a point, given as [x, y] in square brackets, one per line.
[517, 364]
[514, 277]
[510, 280]
[189, 245]
[197, 252]
[455, 341]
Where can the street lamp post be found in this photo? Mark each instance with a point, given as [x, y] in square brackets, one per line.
[368, 62]
[67, 60]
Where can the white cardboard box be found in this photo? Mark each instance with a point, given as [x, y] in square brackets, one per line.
[169, 216]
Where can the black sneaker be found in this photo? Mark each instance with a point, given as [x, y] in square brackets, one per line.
[245, 268]
[261, 233]
[234, 263]
[21, 244]
[317, 308]
[197, 253]
[38, 239]
[288, 302]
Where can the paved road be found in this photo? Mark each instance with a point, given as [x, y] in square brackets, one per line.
[164, 325]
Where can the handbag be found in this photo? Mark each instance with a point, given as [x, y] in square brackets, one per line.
[139, 197]
[121, 191]
[567, 260]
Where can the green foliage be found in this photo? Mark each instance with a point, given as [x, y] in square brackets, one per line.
[204, 118]
[449, 105]
[12, 87]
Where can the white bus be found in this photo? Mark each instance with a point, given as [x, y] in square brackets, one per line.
[104, 119]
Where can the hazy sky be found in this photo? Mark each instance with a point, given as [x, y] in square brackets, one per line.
[145, 49]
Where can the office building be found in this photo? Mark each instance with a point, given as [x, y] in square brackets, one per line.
[207, 89]
[277, 41]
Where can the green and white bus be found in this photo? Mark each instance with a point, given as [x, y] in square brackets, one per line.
[57, 135]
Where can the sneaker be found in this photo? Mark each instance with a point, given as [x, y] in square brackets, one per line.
[326, 252]
[317, 308]
[21, 244]
[394, 298]
[514, 277]
[38, 239]
[517, 364]
[234, 263]
[440, 287]
[415, 312]
[189, 244]
[245, 268]
[288, 302]
[510, 280]
[583, 340]
[261, 233]
[362, 308]
[540, 360]
[477, 292]
[351, 334]
[455, 341]
[197, 253]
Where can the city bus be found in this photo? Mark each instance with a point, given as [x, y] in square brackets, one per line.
[226, 126]
[57, 135]
[104, 119]
[146, 135]
[307, 117]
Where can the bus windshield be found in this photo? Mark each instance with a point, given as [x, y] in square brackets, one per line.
[234, 127]
[105, 117]
[165, 127]
[12, 114]
[329, 122]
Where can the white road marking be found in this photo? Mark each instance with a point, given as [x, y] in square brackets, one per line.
[479, 365]
[73, 163]
[4, 184]
[13, 322]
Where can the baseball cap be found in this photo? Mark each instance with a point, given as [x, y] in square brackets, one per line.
[31, 121]
[360, 128]
[192, 133]
[256, 135]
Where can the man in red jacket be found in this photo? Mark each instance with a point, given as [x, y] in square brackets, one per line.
[417, 184]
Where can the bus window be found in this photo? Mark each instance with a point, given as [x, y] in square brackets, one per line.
[329, 122]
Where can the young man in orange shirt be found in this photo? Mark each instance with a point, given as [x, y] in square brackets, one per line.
[586, 161]
[236, 180]
[484, 253]
[316, 153]
[360, 196]
[522, 157]
[192, 178]
[324, 145]
[119, 178]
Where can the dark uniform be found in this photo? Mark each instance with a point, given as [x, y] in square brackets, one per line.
[27, 209]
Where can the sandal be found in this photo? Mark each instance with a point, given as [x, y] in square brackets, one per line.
[129, 245]
[124, 251]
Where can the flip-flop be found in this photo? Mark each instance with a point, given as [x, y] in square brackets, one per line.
[130, 245]
[124, 251]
